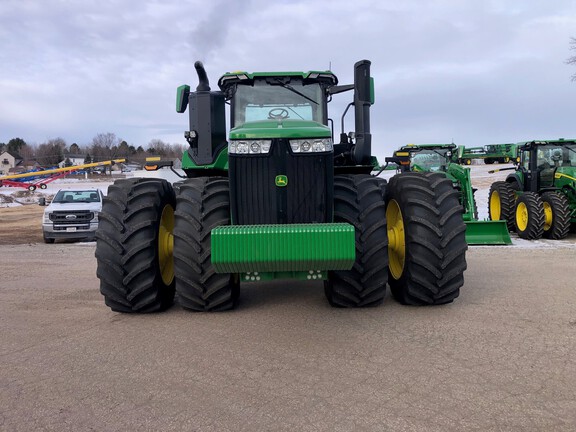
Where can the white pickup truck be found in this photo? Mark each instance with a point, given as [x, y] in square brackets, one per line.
[72, 214]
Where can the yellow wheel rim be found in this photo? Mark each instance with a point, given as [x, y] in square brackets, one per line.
[506, 159]
[495, 206]
[396, 239]
[521, 216]
[547, 216]
[166, 245]
[468, 161]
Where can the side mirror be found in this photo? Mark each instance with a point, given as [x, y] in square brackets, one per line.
[182, 94]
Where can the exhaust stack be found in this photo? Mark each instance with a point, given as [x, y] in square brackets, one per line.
[362, 100]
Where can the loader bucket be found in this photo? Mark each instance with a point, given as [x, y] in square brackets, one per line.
[487, 233]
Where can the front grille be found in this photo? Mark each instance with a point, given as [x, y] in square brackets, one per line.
[65, 227]
[71, 217]
[255, 198]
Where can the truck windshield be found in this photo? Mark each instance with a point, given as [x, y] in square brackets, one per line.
[272, 99]
[68, 196]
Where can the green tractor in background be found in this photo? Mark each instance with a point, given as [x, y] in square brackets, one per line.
[441, 158]
[539, 198]
[274, 198]
[491, 153]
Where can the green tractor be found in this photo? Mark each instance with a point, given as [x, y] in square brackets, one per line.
[274, 198]
[539, 198]
[491, 153]
[440, 158]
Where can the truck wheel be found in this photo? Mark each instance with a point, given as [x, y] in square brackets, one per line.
[426, 235]
[489, 161]
[501, 202]
[556, 215]
[359, 201]
[134, 245]
[529, 216]
[31, 188]
[203, 204]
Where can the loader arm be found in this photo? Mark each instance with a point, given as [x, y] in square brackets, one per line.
[477, 232]
[462, 177]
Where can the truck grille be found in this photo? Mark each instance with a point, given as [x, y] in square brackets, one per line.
[65, 227]
[255, 198]
[71, 217]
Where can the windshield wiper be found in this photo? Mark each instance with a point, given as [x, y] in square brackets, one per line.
[293, 90]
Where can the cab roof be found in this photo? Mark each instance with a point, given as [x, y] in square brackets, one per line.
[242, 77]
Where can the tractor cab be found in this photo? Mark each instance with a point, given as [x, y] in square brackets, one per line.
[542, 163]
[429, 157]
[287, 99]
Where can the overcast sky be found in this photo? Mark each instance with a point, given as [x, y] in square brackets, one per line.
[463, 71]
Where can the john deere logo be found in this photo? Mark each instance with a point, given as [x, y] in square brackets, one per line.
[281, 180]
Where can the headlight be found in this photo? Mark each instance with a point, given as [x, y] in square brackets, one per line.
[46, 218]
[317, 145]
[249, 147]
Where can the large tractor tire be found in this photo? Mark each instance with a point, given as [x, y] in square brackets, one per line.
[360, 201]
[556, 215]
[529, 216]
[203, 203]
[134, 246]
[501, 203]
[427, 242]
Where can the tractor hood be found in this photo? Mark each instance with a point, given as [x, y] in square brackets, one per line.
[287, 128]
[567, 174]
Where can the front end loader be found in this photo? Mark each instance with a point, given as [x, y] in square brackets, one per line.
[439, 158]
[278, 197]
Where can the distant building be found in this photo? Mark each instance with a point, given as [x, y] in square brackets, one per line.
[75, 159]
[9, 161]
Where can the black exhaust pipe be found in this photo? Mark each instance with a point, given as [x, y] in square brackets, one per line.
[362, 100]
[203, 83]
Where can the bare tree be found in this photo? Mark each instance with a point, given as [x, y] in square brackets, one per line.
[572, 60]
[27, 153]
[104, 147]
[51, 153]
[158, 147]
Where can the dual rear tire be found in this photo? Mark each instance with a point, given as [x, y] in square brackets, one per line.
[531, 215]
[546, 215]
[146, 251]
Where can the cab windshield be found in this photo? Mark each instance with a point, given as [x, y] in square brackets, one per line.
[429, 160]
[274, 98]
[555, 156]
